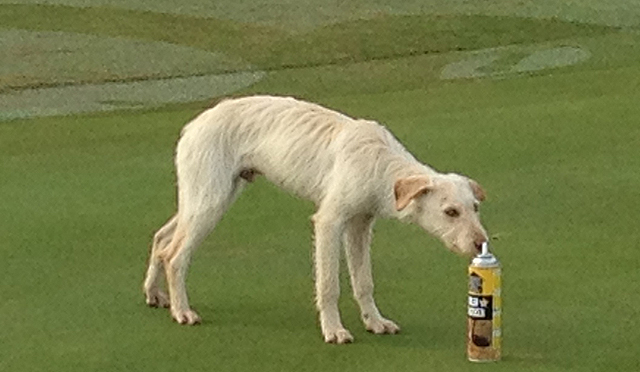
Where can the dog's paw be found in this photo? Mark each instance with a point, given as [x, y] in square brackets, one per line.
[339, 336]
[381, 326]
[188, 317]
[157, 298]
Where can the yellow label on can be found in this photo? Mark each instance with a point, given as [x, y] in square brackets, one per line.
[484, 313]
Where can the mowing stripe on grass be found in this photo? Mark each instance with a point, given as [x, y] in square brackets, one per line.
[32, 59]
[44, 73]
[66, 100]
[499, 62]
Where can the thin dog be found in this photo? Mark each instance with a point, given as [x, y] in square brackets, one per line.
[353, 170]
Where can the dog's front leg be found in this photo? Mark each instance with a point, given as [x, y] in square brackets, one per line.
[328, 230]
[357, 240]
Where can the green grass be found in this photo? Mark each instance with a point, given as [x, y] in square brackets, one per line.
[271, 48]
[557, 151]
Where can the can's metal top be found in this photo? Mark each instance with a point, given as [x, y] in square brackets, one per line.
[485, 258]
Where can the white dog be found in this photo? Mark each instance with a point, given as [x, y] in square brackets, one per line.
[353, 170]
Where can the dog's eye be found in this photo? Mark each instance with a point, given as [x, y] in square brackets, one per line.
[476, 207]
[452, 212]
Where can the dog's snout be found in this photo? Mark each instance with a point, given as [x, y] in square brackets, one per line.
[478, 246]
[479, 242]
[479, 238]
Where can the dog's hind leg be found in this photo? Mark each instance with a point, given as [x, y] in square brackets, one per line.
[155, 297]
[190, 232]
[193, 226]
[357, 241]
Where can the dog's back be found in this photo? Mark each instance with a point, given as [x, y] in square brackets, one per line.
[294, 144]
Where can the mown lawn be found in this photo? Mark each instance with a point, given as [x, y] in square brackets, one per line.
[557, 151]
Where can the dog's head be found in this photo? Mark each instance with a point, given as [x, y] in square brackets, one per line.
[445, 205]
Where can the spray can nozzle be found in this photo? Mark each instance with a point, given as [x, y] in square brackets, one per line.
[484, 258]
[485, 249]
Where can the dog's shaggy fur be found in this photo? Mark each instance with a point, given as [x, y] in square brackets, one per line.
[353, 170]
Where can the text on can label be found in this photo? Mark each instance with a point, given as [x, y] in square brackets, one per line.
[480, 307]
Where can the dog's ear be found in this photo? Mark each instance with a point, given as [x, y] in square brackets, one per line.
[406, 189]
[478, 191]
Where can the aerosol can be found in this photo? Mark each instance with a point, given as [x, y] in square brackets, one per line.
[484, 311]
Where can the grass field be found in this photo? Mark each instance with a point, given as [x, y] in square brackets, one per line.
[555, 141]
